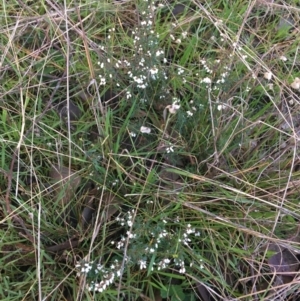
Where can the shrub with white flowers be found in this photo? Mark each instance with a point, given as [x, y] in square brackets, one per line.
[155, 245]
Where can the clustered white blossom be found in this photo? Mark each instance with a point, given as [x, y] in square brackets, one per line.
[224, 72]
[170, 149]
[223, 75]
[84, 267]
[206, 80]
[205, 66]
[163, 264]
[189, 113]
[180, 263]
[157, 242]
[147, 56]
[180, 71]
[185, 239]
[108, 275]
[143, 264]
[128, 220]
[120, 244]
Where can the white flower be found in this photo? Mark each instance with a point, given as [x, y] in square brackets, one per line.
[132, 134]
[163, 264]
[268, 75]
[218, 23]
[130, 235]
[102, 81]
[283, 58]
[120, 245]
[184, 34]
[159, 52]
[296, 83]
[101, 65]
[206, 80]
[221, 107]
[115, 182]
[141, 63]
[170, 149]
[128, 94]
[142, 264]
[138, 80]
[182, 270]
[180, 71]
[145, 130]
[86, 268]
[153, 72]
[173, 108]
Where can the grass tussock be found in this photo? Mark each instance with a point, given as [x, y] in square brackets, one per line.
[149, 150]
